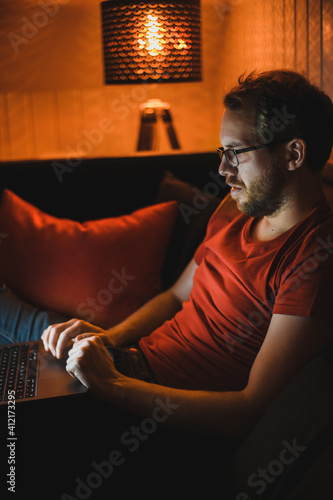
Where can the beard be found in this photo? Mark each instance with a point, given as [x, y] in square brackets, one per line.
[266, 196]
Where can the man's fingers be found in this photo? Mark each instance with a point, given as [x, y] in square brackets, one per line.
[47, 337]
[89, 361]
[76, 355]
[82, 336]
[80, 344]
[56, 337]
[64, 337]
[72, 366]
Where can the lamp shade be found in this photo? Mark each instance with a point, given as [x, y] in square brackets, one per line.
[151, 41]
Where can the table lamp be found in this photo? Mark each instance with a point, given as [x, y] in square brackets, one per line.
[152, 42]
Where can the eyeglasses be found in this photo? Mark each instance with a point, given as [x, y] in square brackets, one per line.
[231, 154]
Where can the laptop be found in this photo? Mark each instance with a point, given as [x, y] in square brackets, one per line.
[29, 373]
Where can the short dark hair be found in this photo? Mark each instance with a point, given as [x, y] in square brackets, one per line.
[287, 106]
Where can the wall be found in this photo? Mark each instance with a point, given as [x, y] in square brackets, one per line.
[53, 102]
[281, 33]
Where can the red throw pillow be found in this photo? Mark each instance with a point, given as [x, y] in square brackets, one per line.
[100, 271]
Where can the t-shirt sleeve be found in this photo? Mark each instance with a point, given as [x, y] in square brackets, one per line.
[307, 288]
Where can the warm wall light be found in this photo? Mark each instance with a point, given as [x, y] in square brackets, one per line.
[151, 41]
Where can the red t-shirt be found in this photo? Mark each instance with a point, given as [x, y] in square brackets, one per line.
[212, 342]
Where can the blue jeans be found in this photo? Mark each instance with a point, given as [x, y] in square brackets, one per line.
[20, 321]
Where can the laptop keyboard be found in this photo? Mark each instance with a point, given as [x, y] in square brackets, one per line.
[18, 370]
[130, 362]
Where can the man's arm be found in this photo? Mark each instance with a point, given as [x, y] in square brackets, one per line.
[150, 316]
[155, 312]
[290, 343]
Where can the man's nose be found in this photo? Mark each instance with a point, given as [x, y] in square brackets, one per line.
[226, 169]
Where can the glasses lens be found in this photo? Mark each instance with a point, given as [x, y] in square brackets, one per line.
[231, 157]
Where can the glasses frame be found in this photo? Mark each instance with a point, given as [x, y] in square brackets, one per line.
[221, 151]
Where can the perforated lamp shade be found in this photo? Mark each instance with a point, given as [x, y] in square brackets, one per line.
[151, 41]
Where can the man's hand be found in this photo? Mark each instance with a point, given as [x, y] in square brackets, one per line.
[56, 337]
[90, 362]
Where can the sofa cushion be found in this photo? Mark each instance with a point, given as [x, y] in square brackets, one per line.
[100, 271]
[195, 207]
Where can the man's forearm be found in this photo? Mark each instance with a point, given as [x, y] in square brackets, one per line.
[146, 319]
[207, 412]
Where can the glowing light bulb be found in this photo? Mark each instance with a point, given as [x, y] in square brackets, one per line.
[152, 39]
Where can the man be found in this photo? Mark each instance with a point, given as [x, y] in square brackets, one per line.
[252, 307]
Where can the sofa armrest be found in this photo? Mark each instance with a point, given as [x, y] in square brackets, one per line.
[290, 440]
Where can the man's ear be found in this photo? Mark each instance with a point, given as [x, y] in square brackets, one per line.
[296, 154]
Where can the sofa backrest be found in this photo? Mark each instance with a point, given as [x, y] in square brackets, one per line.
[101, 187]
[105, 187]
[88, 189]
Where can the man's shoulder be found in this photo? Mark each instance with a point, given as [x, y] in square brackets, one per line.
[309, 244]
[319, 223]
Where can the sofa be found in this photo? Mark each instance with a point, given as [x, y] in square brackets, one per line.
[289, 454]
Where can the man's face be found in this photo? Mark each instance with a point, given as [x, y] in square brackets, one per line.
[259, 182]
